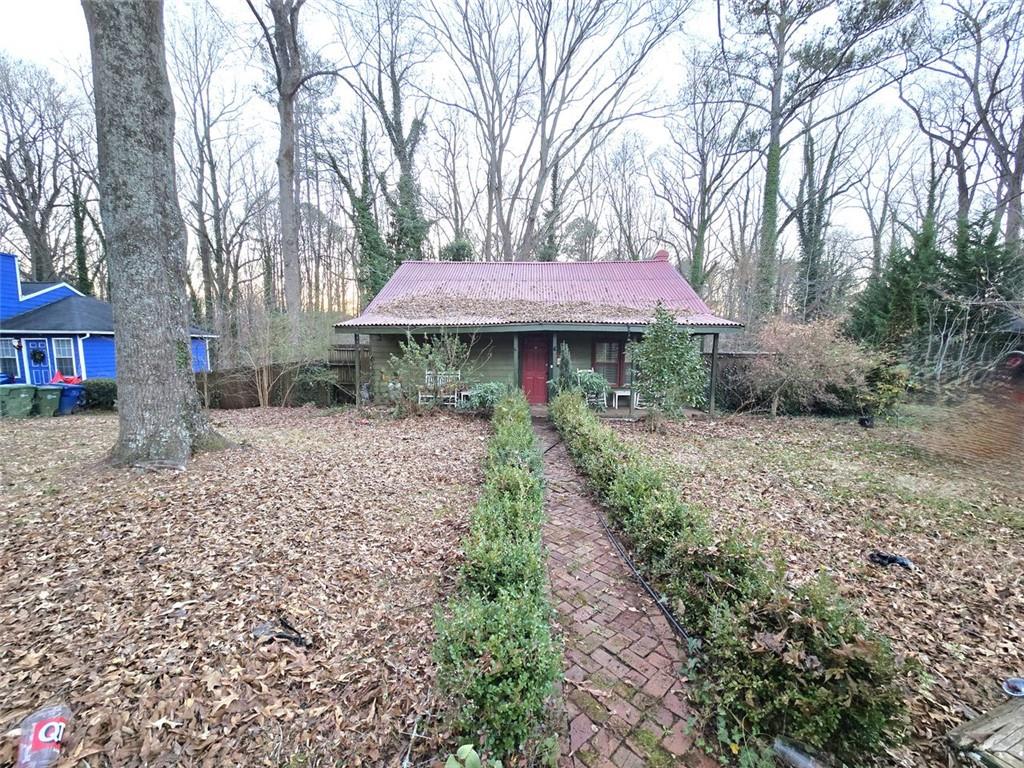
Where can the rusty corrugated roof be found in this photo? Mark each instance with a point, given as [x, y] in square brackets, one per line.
[444, 293]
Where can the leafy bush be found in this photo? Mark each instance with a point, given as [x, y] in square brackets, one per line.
[564, 378]
[466, 757]
[407, 371]
[888, 383]
[482, 398]
[497, 660]
[594, 388]
[668, 369]
[310, 383]
[100, 394]
[807, 368]
[773, 660]
[590, 384]
[459, 249]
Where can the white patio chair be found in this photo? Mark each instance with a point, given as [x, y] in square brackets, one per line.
[441, 385]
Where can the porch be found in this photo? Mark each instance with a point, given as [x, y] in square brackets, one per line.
[524, 357]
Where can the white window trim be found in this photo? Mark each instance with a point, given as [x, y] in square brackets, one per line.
[17, 357]
[71, 349]
[81, 351]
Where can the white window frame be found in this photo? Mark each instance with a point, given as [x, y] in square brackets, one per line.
[16, 355]
[71, 354]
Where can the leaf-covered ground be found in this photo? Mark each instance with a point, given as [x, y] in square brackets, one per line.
[824, 493]
[133, 595]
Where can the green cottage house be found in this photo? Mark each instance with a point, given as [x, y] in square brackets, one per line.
[516, 315]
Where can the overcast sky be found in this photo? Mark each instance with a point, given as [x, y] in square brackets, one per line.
[53, 34]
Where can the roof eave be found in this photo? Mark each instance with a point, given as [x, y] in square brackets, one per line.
[348, 326]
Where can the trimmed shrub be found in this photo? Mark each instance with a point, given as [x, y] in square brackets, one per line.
[497, 660]
[772, 660]
[100, 394]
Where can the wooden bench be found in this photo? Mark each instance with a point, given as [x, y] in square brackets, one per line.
[993, 740]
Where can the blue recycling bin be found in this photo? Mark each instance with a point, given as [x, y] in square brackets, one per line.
[70, 398]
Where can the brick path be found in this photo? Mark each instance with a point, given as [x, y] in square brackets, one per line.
[624, 701]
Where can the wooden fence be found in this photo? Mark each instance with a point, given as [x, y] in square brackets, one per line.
[315, 383]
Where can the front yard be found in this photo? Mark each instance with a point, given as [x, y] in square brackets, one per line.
[134, 596]
[823, 494]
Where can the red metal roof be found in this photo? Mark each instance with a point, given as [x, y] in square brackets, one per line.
[445, 293]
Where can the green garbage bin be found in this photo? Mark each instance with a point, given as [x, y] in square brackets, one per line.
[47, 401]
[16, 400]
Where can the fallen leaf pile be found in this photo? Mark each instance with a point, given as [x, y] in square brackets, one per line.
[496, 309]
[823, 494]
[148, 600]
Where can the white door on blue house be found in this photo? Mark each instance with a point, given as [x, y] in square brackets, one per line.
[38, 361]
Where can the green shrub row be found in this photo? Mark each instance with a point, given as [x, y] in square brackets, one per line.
[497, 660]
[771, 660]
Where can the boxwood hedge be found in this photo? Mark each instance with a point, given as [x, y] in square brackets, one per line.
[770, 659]
[497, 661]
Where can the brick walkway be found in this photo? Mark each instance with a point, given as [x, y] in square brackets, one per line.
[624, 701]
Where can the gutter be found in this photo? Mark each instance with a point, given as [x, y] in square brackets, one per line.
[81, 351]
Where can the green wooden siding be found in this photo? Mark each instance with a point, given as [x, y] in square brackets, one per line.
[493, 357]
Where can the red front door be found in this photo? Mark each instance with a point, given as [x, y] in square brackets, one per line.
[536, 351]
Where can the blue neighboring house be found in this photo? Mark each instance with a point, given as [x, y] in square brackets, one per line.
[50, 327]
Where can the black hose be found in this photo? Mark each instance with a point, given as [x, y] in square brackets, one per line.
[673, 622]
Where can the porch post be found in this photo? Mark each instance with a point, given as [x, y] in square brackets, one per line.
[629, 338]
[516, 380]
[359, 392]
[714, 374]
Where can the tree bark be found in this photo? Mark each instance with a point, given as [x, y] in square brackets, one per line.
[286, 198]
[160, 418]
[283, 46]
[764, 288]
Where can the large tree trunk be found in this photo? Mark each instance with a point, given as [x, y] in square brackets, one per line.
[764, 289]
[41, 255]
[286, 197]
[161, 421]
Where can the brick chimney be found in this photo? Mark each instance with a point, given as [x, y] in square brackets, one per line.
[661, 255]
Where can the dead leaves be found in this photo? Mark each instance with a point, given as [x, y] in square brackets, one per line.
[133, 595]
[823, 493]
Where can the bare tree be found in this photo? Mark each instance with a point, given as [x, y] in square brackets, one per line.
[457, 196]
[828, 174]
[708, 156]
[544, 84]
[944, 116]
[161, 421]
[283, 45]
[34, 115]
[198, 50]
[634, 224]
[885, 163]
[739, 241]
[988, 59]
[225, 188]
[390, 47]
[789, 59]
